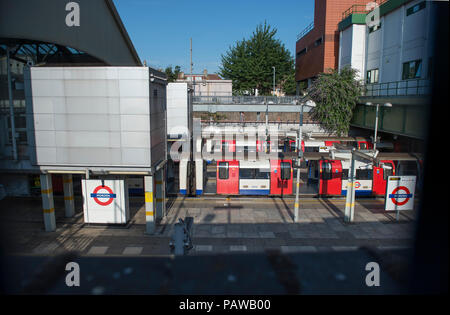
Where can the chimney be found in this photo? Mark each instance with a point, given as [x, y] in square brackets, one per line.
[181, 75]
[205, 73]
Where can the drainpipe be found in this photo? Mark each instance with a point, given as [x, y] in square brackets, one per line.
[11, 107]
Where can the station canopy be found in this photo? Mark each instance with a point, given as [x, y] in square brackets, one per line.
[58, 32]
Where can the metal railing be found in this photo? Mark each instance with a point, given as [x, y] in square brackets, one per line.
[360, 8]
[305, 31]
[399, 88]
[246, 100]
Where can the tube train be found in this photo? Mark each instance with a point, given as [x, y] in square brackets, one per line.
[332, 177]
[268, 177]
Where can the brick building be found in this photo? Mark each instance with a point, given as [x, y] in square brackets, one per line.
[317, 46]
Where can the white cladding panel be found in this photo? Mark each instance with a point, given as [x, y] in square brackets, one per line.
[177, 108]
[401, 38]
[97, 116]
[345, 47]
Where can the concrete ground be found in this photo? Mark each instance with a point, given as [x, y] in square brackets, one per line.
[221, 225]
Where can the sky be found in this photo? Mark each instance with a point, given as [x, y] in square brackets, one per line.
[160, 29]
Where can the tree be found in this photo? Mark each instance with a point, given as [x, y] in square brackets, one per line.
[172, 75]
[249, 62]
[335, 94]
[289, 85]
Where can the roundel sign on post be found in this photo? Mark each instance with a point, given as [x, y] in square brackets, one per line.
[400, 193]
[105, 201]
[103, 195]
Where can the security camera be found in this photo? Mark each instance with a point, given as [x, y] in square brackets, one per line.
[30, 63]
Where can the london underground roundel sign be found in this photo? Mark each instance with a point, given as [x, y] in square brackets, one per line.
[103, 195]
[400, 193]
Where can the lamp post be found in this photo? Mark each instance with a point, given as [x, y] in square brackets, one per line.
[273, 81]
[376, 121]
[300, 155]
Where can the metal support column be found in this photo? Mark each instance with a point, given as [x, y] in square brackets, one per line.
[160, 194]
[11, 106]
[47, 203]
[149, 205]
[350, 198]
[300, 156]
[68, 195]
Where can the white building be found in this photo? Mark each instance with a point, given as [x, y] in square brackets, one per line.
[396, 48]
[391, 45]
[207, 84]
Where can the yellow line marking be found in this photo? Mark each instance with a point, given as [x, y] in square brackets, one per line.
[159, 199]
[148, 196]
[49, 210]
[68, 198]
[296, 205]
[149, 213]
[67, 181]
[46, 191]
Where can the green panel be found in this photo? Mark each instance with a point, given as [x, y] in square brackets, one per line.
[358, 115]
[391, 5]
[406, 120]
[355, 18]
[392, 119]
[370, 116]
[360, 18]
[415, 123]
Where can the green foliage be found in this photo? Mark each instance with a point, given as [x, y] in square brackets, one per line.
[249, 62]
[336, 94]
[213, 116]
[289, 84]
[172, 74]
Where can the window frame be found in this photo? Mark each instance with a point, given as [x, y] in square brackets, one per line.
[226, 166]
[412, 9]
[285, 167]
[418, 65]
[329, 171]
[372, 73]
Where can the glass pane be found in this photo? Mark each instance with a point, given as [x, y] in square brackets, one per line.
[262, 174]
[223, 170]
[247, 173]
[285, 170]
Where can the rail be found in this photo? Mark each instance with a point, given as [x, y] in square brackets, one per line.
[399, 88]
[305, 31]
[246, 100]
[360, 8]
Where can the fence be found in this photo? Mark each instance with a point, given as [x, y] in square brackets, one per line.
[399, 88]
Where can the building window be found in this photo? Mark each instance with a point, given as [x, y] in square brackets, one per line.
[258, 116]
[302, 52]
[318, 42]
[416, 8]
[374, 28]
[372, 76]
[412, 69]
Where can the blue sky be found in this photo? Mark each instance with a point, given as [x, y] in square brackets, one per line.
[160, 29]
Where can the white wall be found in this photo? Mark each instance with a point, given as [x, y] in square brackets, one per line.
[96, 116]
[352, 47]
[177, 108]
[401, 39]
